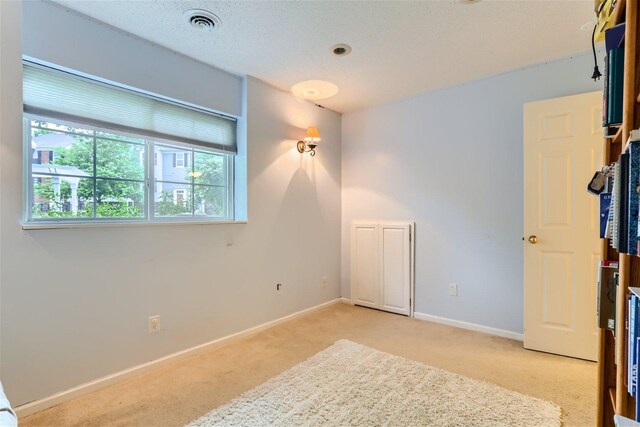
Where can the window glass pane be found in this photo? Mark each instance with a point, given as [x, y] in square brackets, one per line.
[210, 201]
[44, 125]
[119, 160]
[119, 199]
[174, 164]
[61, 153]
[119, 137]
[209, 168]
[59, 197]
[172, 200]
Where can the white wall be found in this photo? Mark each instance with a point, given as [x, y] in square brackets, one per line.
[452, 160]
[10, 110]
[75, 303]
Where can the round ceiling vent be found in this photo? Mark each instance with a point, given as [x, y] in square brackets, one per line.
[202, 20]
[341, 49]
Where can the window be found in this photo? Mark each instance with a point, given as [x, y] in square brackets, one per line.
[178, 160]
[83, 169]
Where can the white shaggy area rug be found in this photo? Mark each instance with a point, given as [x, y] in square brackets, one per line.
[349, 384]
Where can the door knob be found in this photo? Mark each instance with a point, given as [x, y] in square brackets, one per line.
[533, 239]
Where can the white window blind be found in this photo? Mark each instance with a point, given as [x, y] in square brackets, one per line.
[60, 95]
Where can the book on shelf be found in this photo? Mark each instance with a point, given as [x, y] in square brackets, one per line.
[606, 295]
[615, 85]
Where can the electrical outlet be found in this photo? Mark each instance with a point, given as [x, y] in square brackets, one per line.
[154, 324]
[453, 289]
[278, 287]
[324, 282]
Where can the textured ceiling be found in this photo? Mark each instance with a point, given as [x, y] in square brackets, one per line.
[400, 48]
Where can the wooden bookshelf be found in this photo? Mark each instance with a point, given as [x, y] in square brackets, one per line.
[613, 397]
[617, 138]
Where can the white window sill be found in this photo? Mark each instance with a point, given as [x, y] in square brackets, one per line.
[58, 225]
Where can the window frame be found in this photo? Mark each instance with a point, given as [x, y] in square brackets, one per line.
[149, 217]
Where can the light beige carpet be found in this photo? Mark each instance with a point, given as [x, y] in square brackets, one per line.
[350, 384]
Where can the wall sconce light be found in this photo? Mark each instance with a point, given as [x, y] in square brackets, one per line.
[310, 141]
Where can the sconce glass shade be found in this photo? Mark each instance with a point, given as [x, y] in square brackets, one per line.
[312, 136]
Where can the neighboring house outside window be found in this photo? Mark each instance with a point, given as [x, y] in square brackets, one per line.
[180, 197]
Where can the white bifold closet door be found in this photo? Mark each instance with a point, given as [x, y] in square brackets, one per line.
[381, 266]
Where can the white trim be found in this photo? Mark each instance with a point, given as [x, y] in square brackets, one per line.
[118, 223]
[470, 326]
[58, 398]
[346, 301]
[412, 257]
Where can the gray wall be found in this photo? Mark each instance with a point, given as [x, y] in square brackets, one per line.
[452, 161]
[75, 302]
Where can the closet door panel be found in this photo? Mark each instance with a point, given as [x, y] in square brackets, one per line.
[365, 273]
[395, 268]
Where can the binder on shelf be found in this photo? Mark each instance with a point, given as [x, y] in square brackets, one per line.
[631, 344]
[623, 213]
[605, 98]
[606, 296]
[633, 341]
[614, 37]
[614, 211]
[637, 358]
[616, 281]
[613, 40]
[634, 201]
[615, 85]
[605, 205]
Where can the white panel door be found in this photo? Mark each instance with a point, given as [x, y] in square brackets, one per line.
[365, 274]
[562, 150]
[395, 268]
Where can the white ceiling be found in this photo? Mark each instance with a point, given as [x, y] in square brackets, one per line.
[400, 48]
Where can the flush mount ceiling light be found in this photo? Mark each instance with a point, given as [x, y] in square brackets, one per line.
[469, 1]
[341, 49]
[202, 20]
[314, 89]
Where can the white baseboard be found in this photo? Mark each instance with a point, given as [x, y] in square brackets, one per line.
[470, 326]
[346, 301]
[58, 398]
